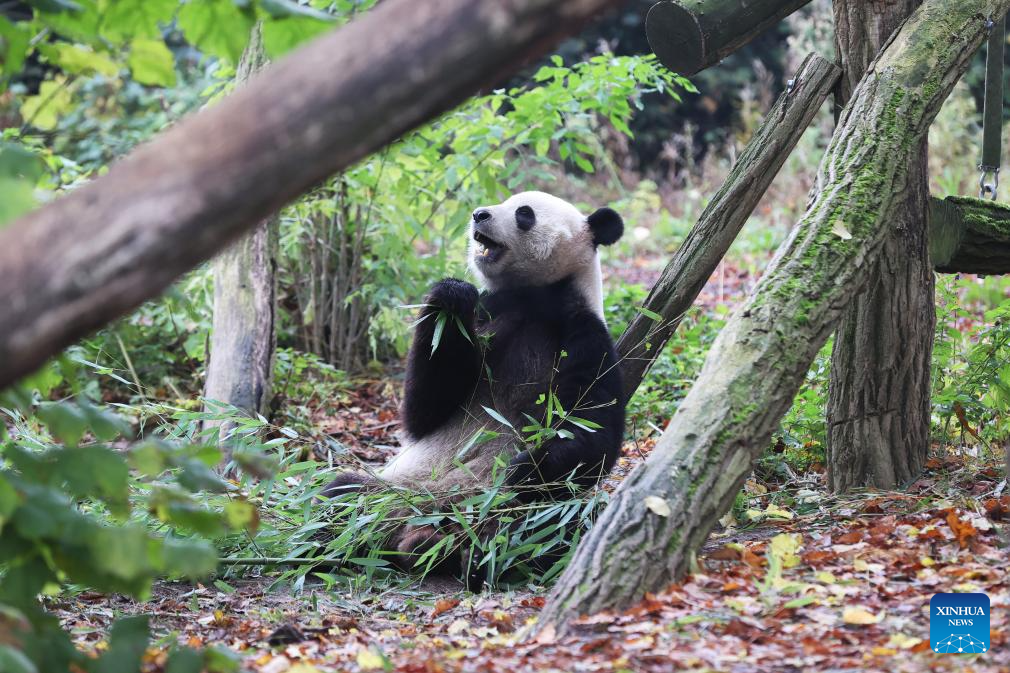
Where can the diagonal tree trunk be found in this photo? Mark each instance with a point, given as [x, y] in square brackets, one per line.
[666, 507]
[878, 405]
[101, 250]
[243, 336]
[695, 261]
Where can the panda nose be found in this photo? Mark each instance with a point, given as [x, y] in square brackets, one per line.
[481, 214]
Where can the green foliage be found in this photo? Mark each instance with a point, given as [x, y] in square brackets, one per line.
[80, 499]
[114, 50]
[971, 375]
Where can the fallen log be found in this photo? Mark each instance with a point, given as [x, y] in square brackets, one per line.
[665, 508]
[691, 35]
[694, 262]
[968, 235]
[100, 251]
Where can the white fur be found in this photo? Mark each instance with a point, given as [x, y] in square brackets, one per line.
[559, 244]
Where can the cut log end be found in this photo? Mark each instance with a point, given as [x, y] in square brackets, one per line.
[968, 235]
[676, 38]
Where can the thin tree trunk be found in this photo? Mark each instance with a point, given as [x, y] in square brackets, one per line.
[878, 411]
[664, 509]
[243, 335]
[695, 261]
[101, 250]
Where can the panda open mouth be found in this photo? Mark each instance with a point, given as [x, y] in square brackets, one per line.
[489, 250]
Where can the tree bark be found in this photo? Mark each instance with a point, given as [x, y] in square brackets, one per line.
[969, 235]
[243, 337]
[695, 261]
[664, 509]
[691, 35]
[103, 249]
[878, 413]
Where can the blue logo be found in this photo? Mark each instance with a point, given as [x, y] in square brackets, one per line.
[959, 623]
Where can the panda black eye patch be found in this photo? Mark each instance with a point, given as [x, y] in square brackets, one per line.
[525, 218]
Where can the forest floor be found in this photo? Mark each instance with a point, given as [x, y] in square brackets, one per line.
[831, 584]
[826, 583]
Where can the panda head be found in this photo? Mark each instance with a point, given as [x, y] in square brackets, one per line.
[535, 239]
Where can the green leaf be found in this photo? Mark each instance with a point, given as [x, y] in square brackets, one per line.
[14, 45]
[47, 377]
[583, 423]
[436, 337]
[193, 559]
[124, 20]
[43, 110]
[14, 661]
[178, 508]
[221, 659]
[482, 436]
[184, 660]
[80, 24]
[196, 476]
[651, 315]
[800, 602]
[17, 197]
[96, 471]
[9, 500]
[498, 417]
[120, 559]
[148, 459]
[369, 562]
[217, 27]
[241, 514]
[20, 170]
[283, 35]
[65, 420]
[224, 587]
[78, 59]
[127, 644]
[151, 62]
[106, 425]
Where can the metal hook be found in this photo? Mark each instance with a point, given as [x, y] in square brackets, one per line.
[988, 188]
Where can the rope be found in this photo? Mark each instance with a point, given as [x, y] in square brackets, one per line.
[992, 116]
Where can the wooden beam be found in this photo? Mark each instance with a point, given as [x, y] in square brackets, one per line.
[102, 250]
[691, 35]
[969, 235]
[695, 261]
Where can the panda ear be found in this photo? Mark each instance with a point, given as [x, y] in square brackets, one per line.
[607, 226]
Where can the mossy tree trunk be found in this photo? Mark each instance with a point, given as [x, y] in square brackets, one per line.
[878, 403]
[243, 336]
[665, 508]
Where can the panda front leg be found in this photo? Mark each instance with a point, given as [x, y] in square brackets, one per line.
[587, 384]
[441, 375]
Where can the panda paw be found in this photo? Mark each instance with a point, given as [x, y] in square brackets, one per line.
[455, 296]
[524, 471]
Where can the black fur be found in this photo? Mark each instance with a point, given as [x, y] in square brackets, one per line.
[607, 226]
[438, 382]
[527, 322]
[525, 218]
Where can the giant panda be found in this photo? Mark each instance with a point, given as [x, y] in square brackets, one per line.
[535, 328]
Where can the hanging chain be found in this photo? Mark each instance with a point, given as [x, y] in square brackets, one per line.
[992, 115]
